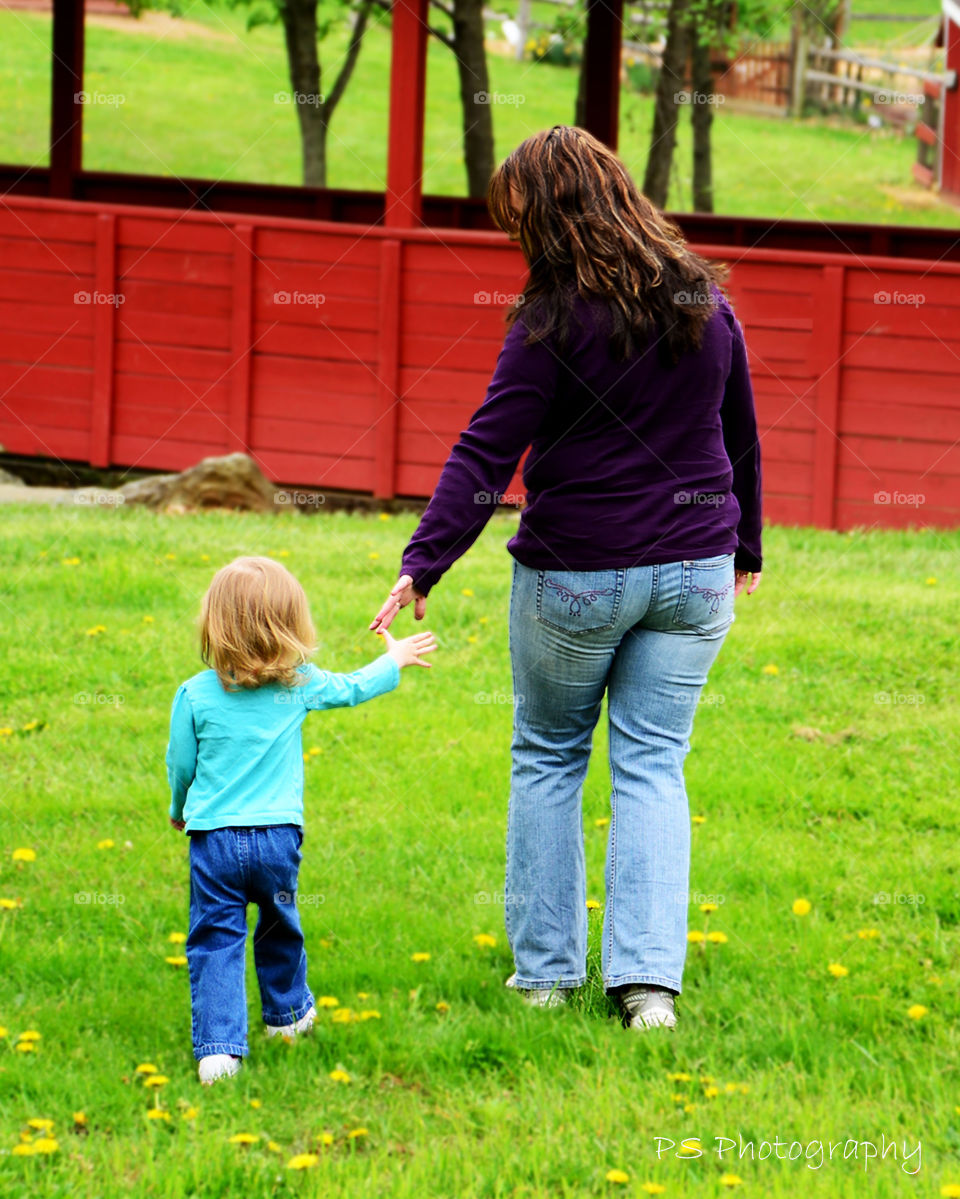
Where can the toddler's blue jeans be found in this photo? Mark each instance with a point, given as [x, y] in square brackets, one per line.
[229, 868]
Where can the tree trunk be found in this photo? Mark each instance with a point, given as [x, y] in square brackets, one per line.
[299, 19]
[656, 180]
[471, 58]
[701, 116]
[580, 111]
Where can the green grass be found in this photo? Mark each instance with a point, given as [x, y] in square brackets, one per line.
[405, 813]
[203, 106]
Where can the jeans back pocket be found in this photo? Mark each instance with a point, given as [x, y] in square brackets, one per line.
[579, 601]
[706, 594]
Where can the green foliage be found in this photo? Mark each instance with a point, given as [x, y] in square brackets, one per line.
[817, 781]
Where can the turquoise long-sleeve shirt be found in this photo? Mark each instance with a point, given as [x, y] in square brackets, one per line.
[235, 758]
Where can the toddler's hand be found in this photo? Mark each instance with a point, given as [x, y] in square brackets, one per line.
[179, 825]
[408, 651]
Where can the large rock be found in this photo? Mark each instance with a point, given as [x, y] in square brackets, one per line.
[9, 479]
[234, 481]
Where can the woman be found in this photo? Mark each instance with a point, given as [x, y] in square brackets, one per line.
[625, 371]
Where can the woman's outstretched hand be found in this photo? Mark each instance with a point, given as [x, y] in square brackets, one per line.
[740, 578]
[408, 651]
[402, 594]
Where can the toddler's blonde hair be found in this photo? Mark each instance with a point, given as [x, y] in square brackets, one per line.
[255, 624]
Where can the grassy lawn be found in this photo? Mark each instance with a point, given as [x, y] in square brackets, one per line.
[201, 103]
[824, 766]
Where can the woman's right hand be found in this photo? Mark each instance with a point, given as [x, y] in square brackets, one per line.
[402, 594]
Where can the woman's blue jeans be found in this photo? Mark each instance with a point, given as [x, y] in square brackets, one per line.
[229, 868]
[647, 636]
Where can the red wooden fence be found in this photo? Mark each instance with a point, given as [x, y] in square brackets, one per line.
[349, 357]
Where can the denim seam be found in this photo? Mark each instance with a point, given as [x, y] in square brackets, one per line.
[647, 980]
[282, 1019]
[209, 1048]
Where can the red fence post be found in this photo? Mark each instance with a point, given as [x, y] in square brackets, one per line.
[104, 306]
[241, 340]
[388, 370]
[950, 117]
[408, 84]
[66, 114]
[827, 337]
[601, 66]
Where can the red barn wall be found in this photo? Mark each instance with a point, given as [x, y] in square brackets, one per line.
[293, 340]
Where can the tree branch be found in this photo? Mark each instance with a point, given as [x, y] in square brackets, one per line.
[346, 70]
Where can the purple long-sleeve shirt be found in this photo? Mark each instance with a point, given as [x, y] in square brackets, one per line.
[631, 463]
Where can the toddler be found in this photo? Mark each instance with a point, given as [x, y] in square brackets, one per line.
[235, 766]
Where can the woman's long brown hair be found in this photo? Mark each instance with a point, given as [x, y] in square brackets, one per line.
[585, 227]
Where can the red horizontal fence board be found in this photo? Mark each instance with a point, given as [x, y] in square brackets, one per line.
[351, 357]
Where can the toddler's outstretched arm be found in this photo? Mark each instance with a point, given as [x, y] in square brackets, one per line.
[409, 650]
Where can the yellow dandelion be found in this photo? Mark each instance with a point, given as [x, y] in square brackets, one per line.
[146, 1068]
[314, 750]
[176, 960]
[25, 1046]
[256, 1103]
[71, 561]
[618, 1176]
[485, 941]
[801, 907]
[325, 1138]
[6, 732]
[30, 1034]
[653, 1188]
[593, 905]
[373, 557]
[689, 1107]
[157, 1113]
[302, 1161]
[40, 1124]
[698, 819]
[730, 1087]
[371, 1014]
[80, 1119]
[170, 557]
[328, 1001]
[695, 936]
[717, 938]
[443, 1007]
[106, 843]
[420, 957]
[932, 582]
[190, 1113]
[244, 1138]
[23, 1150]
[771, 668]
[473, 639]
[707, 908]
[681, 1077]
[711, 1092]
[343, 1015]
[363, 995]
[950, 1190]
[148, 620]
[8, 905]
[30, 726]
[274, 1147]
[743, 1088]
[177, 938]
[838, 970]
[706, 1079]
[24, 855]
[339, 1076]
[3, 1031]
[730, 1180]
[383, 516]
[96, 630]
[690, 1147]
[204, 557]
[156, 1081]
[917, 1011]
[467, 591]
[868, 934]
[601, 822]
[355, 1133]
[678, 1098]
[324, 943]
